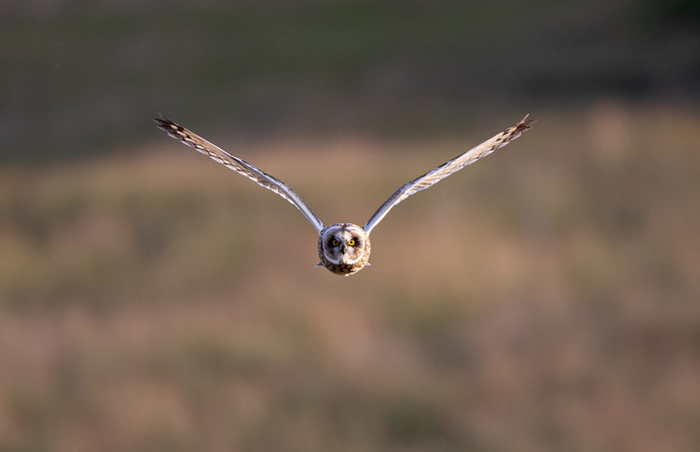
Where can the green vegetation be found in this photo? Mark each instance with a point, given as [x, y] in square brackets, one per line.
[80, 79]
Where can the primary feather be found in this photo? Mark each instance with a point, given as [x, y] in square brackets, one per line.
[448, 168]
[240, 166]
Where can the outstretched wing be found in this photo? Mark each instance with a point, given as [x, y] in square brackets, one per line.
[436, 175]
[219, 155]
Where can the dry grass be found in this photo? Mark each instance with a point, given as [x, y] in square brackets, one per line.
[544, 299]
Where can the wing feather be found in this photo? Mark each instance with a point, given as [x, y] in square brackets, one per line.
[240, 166]
[448, 168]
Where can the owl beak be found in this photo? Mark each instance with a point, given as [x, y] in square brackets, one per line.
[343, 247]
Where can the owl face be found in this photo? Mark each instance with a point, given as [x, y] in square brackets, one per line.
[343, 248]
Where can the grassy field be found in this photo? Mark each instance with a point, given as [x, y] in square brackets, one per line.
[546, 299]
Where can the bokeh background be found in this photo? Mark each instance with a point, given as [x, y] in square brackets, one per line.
[545, 299]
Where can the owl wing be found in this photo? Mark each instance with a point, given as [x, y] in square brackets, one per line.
[232, 162]
[446, 169]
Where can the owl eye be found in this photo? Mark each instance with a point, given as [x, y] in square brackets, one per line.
[351, 242]
[335, 242]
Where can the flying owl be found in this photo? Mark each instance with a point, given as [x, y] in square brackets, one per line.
[343, 248]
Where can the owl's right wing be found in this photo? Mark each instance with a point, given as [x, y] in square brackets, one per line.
[448, 168]
[241, 167]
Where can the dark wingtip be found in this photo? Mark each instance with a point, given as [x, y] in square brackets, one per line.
[164, 123]
[525, 123]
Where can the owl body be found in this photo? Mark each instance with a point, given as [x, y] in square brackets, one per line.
[343, 248]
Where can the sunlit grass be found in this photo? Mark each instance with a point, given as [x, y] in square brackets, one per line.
[543, 299]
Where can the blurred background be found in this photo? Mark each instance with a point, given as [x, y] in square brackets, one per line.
[545, 299]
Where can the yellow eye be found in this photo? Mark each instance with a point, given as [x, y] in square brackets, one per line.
[335, 242]
[351, 242]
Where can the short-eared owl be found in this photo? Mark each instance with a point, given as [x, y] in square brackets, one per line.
[344, 247]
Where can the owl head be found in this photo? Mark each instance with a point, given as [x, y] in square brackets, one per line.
[343, 248]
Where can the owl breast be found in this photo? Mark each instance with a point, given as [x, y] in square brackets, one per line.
[343, 248]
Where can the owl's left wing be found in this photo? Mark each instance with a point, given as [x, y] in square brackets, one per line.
[240, 166]
[446, 169]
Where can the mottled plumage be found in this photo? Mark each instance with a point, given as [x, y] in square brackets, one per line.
[344, 248]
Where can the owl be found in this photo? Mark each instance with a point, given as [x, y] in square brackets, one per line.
[343, 248]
